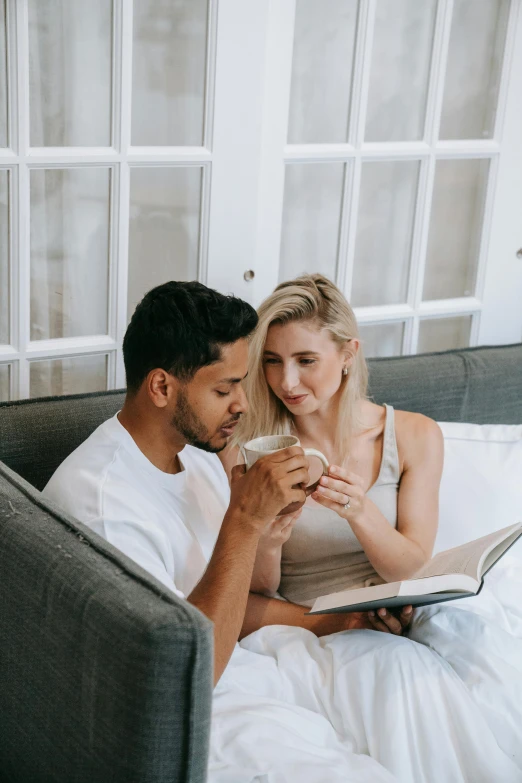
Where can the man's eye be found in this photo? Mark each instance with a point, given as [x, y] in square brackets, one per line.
[222, 394]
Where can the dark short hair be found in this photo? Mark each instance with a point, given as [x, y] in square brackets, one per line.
[180, 327]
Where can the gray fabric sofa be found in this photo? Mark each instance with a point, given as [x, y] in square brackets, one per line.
[104, 674]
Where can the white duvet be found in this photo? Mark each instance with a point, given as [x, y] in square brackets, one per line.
[442, 706]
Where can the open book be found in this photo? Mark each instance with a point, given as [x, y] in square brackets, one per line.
[455, 573]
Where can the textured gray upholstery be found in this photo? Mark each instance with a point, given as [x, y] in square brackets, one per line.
[105, 676]
[480, 385]
[37, 435]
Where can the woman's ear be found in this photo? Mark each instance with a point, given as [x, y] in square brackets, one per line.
[349, 351]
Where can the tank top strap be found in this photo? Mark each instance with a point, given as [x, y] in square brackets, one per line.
[390, 469]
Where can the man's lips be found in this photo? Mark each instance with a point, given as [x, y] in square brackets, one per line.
[296, 399]
[230, 426]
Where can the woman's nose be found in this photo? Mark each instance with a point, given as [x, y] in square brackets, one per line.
[290, 379]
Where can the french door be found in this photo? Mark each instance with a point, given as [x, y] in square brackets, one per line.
[381, 139]
[242, 142]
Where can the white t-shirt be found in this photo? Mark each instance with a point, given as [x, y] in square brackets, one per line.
[167, 523]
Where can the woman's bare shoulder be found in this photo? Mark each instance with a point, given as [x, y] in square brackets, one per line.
[371, 414]
[415, 423]
[417, 435]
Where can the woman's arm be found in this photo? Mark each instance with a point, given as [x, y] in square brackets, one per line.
[267, 572]
[396, 554]
[267, 568]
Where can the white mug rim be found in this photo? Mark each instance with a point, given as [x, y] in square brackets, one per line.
[249, 447]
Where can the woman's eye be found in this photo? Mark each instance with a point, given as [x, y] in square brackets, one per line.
[222, 394]
[271, 361]
[308, 361]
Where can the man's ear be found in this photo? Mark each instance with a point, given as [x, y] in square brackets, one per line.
[161, 387]
[349, 351]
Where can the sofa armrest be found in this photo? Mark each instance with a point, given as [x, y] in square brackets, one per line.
[105, 675]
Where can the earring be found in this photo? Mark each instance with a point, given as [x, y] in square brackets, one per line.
[345, 370]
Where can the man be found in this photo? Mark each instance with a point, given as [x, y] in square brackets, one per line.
[149, 481]
[185, 354]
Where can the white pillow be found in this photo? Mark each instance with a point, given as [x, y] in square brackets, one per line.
[481, 488]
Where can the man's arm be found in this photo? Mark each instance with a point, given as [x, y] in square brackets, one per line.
[257, 496]
[222, 592]
[261, 611]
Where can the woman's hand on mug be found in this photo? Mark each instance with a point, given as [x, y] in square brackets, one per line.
[343, 492]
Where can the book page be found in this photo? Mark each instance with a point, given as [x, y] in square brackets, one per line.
[489, 559]
[464, 559]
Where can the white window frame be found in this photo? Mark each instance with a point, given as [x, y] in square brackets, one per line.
[243, 159]
[495, 309]
[120, 158]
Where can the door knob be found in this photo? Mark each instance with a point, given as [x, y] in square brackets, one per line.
[250, 274]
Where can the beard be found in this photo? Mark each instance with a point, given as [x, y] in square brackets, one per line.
[188, 424]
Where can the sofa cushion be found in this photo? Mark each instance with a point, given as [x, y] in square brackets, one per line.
[37, 435]
[479, 385]
[481, 487]
[105, 675]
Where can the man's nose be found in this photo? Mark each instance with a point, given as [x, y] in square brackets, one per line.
[240, 404]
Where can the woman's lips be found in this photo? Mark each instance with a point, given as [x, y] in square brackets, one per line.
[295, 400]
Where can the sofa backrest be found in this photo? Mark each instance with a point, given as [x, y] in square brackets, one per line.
[105, 675]
[480, 385]
[37, 435]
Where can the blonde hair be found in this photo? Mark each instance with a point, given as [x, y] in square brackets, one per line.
[315, 299]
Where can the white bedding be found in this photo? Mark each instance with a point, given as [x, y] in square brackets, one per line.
[442, 706]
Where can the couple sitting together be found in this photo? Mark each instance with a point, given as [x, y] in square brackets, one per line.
[297, 697]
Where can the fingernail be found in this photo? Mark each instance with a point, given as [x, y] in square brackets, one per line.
[333, 468]
[408, 611]
[324, 480]
[371, 613]
[382, 612]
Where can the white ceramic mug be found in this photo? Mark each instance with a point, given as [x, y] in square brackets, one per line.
[269, 444]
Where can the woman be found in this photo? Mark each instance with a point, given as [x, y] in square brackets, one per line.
[374, 517]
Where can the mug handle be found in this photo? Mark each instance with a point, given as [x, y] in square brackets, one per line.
[326, 465]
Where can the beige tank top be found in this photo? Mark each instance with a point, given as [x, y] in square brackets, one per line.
[323, 555]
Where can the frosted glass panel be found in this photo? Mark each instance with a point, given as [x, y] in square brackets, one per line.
[69, 252]
[3, 77]
[401, 56]
[311, 219]
[76, 375]
[444, 334]
[455, 228]
[4, 382]
[4, 256]
[322, 67]
[473, 73]
[168, 79]
[70, 53]
[382, 339]
[164, 227]
[384, 232]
